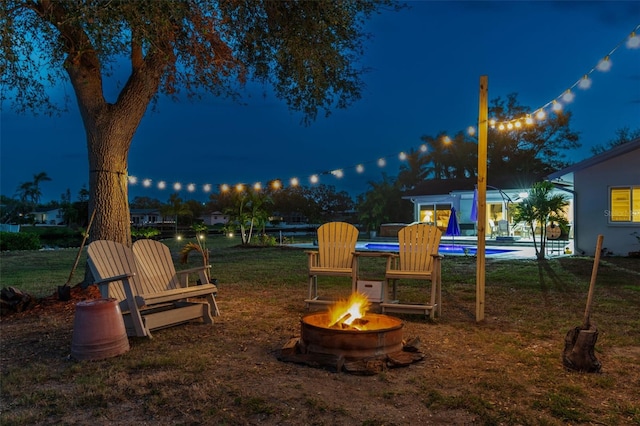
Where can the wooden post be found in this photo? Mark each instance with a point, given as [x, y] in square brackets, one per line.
[483, 117]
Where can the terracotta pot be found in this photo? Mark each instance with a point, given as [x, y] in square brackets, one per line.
[98, 330]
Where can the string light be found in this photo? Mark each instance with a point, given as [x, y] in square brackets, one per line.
[604, 65]
[538, 115]
[584, 83]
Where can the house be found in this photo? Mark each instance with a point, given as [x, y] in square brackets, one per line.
[606, 199]
[214, 218]
[48, 217]
[145, 217]
[433, 200]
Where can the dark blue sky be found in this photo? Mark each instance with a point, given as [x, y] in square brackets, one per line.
[425, 63]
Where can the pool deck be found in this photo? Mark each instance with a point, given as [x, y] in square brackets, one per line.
[520, 249]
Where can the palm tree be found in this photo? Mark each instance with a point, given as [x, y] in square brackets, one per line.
[175, 207]
[540, 208]
[40, 177]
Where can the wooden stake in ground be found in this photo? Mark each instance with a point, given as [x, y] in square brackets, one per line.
[64, 291]
[580, 342]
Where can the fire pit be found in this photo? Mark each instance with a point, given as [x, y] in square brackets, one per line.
[348, 337]
[382, 336]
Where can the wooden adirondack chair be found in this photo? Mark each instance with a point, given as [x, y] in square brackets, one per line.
[417, 259]
[154, 262]
[144, 307]
[334, 257]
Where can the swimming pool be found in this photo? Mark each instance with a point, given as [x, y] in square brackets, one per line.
[444, 248]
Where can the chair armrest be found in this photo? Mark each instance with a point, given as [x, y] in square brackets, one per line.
[183, 274]
[194, 269]
[312, 259]
[114, 278]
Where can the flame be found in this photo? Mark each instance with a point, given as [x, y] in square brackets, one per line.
[347, 311]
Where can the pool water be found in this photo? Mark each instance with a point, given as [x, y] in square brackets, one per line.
[444, 248]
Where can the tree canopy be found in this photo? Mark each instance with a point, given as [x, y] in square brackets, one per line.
[307, 51]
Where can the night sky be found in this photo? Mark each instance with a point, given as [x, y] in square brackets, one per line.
[425, 63]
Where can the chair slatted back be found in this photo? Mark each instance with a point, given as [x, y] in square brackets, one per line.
[154, 261]
[417, 244]
[336, 244]
[109, 259]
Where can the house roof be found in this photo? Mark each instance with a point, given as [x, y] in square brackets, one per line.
[597, 159]
[445, 186]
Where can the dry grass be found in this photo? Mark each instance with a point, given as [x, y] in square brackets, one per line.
[505, 370]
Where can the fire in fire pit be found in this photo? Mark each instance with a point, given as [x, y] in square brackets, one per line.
[348, 337]
[349, 314]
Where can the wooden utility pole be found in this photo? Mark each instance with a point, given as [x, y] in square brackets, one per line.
[483, 118]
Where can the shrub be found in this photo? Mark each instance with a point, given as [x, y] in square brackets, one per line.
[19, 241]
[56, 236]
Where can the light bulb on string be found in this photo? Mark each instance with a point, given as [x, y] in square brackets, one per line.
[568, 96]
[224, 187]
[633, 42]
[517, 124]
[294, 181]
[177, 186]
[206, 187]
[276, 184]
[132, 180]
[146, 183]
[257, 186]
[529, 120]
[423, 148]
[492, 123]
[604, 65]
[556, 106]
[509, 126]
[585, 82]
[191, 187]
[501, 126]
[541, 115]
[162, 184]
[239, 187]
[359, 168]
[402, 156]
[471, 130]
[382, 162]
[338, 173]
[313, 179]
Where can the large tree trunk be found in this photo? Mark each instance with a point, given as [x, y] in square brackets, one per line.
[109, 130]
[108, 186]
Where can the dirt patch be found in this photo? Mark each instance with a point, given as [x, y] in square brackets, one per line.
[505, 370]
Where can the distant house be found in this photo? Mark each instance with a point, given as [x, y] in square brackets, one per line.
[606, 193]
[432, 201]
[214, 218]
[145, 217]
[48, 217]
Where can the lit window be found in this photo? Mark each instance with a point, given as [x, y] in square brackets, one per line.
[625, 204]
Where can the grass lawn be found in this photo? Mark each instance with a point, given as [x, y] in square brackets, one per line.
[505, 370]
